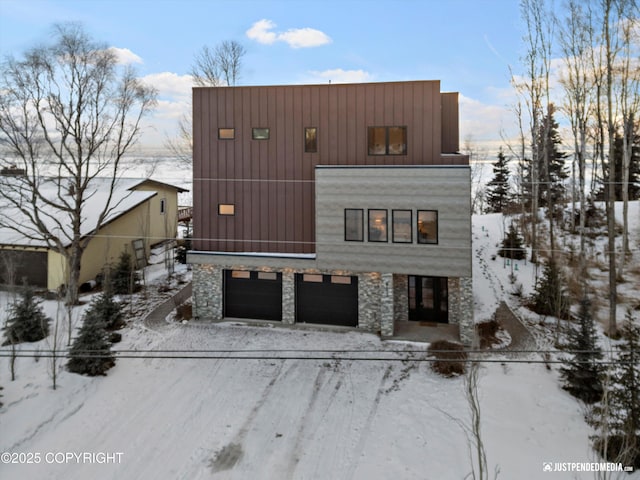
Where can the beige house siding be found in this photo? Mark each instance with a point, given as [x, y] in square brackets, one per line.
[445, 189]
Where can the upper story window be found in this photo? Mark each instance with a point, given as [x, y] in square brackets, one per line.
[387, 140]
[226, 209]
[163, 206]
[311, 140]
[260, 133]
[427, 226]
[401, 220]
[226, 133]
[377, 225]
[353, 224]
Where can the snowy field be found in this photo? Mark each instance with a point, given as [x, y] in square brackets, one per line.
[359, 413]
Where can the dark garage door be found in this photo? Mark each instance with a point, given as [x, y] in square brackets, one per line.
[253, 295]
[23, 267]
[327, 299]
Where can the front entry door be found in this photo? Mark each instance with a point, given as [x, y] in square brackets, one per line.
[428, 299]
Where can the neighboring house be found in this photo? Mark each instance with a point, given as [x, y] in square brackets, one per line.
[332, 204]
[144, 212]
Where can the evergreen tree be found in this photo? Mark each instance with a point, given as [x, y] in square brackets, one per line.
[618, 419]
[634, 171]
[124, 278]
[91, 353]
[105, 308]
[551, 164]
[582, 373]
[27, 321]
[498, 187]
[512, 245]
[550, 297]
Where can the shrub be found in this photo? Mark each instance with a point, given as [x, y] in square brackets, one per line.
[512, 245]
[450, 358]
[27, 321]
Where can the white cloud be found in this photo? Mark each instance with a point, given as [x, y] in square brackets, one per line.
[338, 75]
[170, 85]
[261, 31]
[486, 123]
[125, 56]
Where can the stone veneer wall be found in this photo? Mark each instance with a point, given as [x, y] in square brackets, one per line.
[401, 298]
[465, 302]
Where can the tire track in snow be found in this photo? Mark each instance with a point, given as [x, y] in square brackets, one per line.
[366, 429]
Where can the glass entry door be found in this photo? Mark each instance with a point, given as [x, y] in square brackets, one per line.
[428, 299]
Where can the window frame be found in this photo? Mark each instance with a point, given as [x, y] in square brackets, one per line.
[437, 220]
[233, 133]
[361, 212]
[307, 149]
[222, 205]
[254, 130]
[393, 225]
[386, 225]
[386, 140]
[163, 206]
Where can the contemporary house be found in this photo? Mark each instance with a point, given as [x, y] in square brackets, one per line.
[144, 212]
[332, 205]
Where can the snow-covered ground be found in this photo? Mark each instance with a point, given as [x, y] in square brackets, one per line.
[343, 415]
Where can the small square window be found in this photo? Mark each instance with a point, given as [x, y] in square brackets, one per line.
[353, 225]
[260, 133]
[226, 209]
[401, 220]
[377, 225]
[226, 133]
[311, 140]
[427, 226]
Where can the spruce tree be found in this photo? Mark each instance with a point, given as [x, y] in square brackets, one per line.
[27, 321]
[124, 278]
[549, 296]
[498, 187]
[91, 352]
[623, 420]
[512, 245]
[582, 372]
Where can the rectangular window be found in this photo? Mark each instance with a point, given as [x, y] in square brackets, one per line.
[401, 220]
[340, 279]
[267, 275]
[427, 226]
[260, 133]
[163, 206]
[377, 225]
[226, 133]
[226, 209]
[240, 274]
[353, 224]
[387, 140]
[311, 140]
[312, 277]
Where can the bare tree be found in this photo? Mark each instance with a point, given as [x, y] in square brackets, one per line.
[218, 66]
[215, 67]
[69, 110]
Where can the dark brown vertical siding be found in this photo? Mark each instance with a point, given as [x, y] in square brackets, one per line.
[271, 181]
[450, 127]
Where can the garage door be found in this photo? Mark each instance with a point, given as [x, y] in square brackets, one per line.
[253, 295]
[327, 299]
[20, 268]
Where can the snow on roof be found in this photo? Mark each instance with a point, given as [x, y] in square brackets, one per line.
[124, 198]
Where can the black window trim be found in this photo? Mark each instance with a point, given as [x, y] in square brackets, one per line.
[305, 140]
[361, 210]
[393, 224]
[369, 210]
[227, 128]
[386, 140]
[437, 227]
[253, 133]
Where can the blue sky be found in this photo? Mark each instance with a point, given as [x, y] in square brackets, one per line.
[468, 45]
